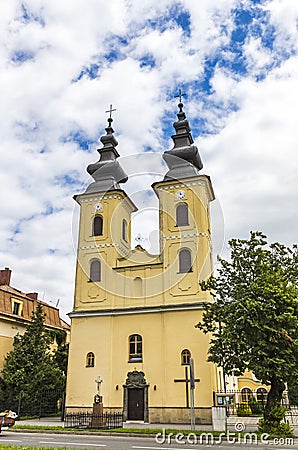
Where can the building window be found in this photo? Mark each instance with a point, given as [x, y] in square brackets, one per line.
[246, 395]
[97, 228]
[16, 307]
[135, 348]
[95, 270]
[185, 357]
[182, 215]
[124, 230]
[262, 395]
[185, 261]
[90, 359]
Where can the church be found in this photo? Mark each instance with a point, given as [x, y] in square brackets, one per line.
[134, 314]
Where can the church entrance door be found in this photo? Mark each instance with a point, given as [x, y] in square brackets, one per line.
[135, 397]
[136, 404]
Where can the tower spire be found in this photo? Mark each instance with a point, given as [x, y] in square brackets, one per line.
[183, 160]
[107, 172]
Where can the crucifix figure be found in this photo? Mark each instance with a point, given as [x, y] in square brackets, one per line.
[110, 111]
[186, 380]
[98, 381]
[180, 95]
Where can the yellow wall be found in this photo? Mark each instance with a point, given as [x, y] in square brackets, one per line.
[141, 294]
[164, 335]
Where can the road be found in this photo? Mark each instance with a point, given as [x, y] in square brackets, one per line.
[90, 442]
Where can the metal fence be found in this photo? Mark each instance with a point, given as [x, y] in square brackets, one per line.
[292, 416]
[105, 421]
[249, 401]
[37, 404]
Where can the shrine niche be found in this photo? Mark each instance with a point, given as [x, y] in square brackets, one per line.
[135, 400]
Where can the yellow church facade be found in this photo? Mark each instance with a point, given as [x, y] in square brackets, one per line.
[134, 315]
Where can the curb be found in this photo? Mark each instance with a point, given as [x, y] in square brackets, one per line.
[89, 433]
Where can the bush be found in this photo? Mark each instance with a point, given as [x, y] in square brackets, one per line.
[273, 425]
[256, 407]
[243, 410]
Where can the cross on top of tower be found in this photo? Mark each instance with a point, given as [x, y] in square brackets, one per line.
[180, 95]
[111, 110]
[110, 120]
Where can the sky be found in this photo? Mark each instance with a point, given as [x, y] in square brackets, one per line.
[62, 64]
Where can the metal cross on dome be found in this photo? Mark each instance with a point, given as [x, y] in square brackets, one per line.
[180, 95]
[111, 110]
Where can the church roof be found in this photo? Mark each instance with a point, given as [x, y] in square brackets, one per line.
[183, 159]
[107, 172]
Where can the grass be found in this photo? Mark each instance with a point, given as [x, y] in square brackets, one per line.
[114, 430]
[11, 447]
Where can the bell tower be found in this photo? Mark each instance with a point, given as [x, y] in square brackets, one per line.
[185, 230]
[105, 226]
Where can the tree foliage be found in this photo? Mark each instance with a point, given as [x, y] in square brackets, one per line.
[254, 318]
[30, 368]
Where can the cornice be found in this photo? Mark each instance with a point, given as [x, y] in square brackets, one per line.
[118, 194]
[138, 310]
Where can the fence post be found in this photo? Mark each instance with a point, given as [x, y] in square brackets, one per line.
[63, 407]
[40, 405]
[19, 404]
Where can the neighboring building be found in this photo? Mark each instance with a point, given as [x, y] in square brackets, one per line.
[134, 316]
[15, 314]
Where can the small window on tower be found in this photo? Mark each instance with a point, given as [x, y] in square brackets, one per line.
[185, 261]
[95, 270]
[97, 228]
[124, 230]
[135, 348]
[182, 215]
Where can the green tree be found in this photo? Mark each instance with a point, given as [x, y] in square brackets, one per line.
[29, 368]
[254, 318]
[60, 357]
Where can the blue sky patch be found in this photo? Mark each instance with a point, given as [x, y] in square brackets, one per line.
[28, 16]
[70, 179]
[80, 138]
[183, 20]
[147, 61]
[90, 71]
[21, 56]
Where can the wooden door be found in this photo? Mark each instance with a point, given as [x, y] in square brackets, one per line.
[135, 404]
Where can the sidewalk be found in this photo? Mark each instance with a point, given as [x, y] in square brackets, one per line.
[43, 422]
[250, 424]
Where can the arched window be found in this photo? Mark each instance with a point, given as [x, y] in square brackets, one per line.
[124, 230]
[262, 395]
[185, 261]
[97, 228]
[95, 270]
[246, 395]
[182, 215]
[185, 357]
[135, 348]
[90, 359]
